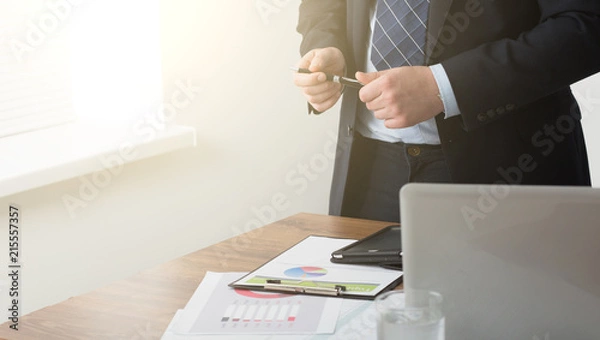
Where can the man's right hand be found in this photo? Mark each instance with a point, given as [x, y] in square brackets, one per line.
[321, 94]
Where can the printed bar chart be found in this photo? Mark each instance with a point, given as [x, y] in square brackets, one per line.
[261, 311]
[240, 311]
[217, 308]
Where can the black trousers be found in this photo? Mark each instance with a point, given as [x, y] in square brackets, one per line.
[379, 169]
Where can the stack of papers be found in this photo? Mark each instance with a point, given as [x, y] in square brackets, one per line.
[217, 310]
[352, 319]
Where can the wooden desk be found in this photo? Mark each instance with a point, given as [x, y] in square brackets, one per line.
[142, 306]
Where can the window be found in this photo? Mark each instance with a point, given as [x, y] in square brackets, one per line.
[78, 79]
[35, 83]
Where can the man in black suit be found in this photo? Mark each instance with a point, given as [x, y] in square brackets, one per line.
[490, 103]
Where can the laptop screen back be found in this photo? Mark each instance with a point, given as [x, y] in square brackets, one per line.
[512, 262]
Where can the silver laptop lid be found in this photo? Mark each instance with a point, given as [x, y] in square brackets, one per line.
[512, 262]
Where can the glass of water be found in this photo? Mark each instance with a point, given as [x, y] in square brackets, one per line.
[409, 314]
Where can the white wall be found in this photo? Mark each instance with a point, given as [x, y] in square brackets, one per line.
[253, 132]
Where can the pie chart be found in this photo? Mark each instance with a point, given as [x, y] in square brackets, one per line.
[305, 272]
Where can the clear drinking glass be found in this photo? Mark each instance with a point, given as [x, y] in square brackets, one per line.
[409, 314]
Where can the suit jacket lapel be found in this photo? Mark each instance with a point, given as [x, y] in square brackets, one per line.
[438, 12]
[359, 22]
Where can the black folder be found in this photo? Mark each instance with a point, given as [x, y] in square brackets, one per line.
[383, 248]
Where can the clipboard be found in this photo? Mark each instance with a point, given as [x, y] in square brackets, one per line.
[305, 268]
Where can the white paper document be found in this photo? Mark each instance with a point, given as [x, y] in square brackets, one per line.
[216, 308]
[353, 319]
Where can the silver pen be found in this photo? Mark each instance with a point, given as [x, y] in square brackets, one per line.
[278, 286]
[332, 77]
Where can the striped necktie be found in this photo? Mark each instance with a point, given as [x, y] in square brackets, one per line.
[399, 34]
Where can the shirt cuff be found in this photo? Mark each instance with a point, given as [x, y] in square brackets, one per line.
[446, 93]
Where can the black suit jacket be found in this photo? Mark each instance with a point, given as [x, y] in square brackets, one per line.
[510, 63]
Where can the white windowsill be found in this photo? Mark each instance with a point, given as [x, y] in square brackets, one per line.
[38, 158]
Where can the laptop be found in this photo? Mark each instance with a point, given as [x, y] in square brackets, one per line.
[512, 262]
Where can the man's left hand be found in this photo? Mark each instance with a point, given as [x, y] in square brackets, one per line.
[401, 96]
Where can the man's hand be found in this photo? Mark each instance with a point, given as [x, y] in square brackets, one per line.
[402, 96]
[321, 94]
